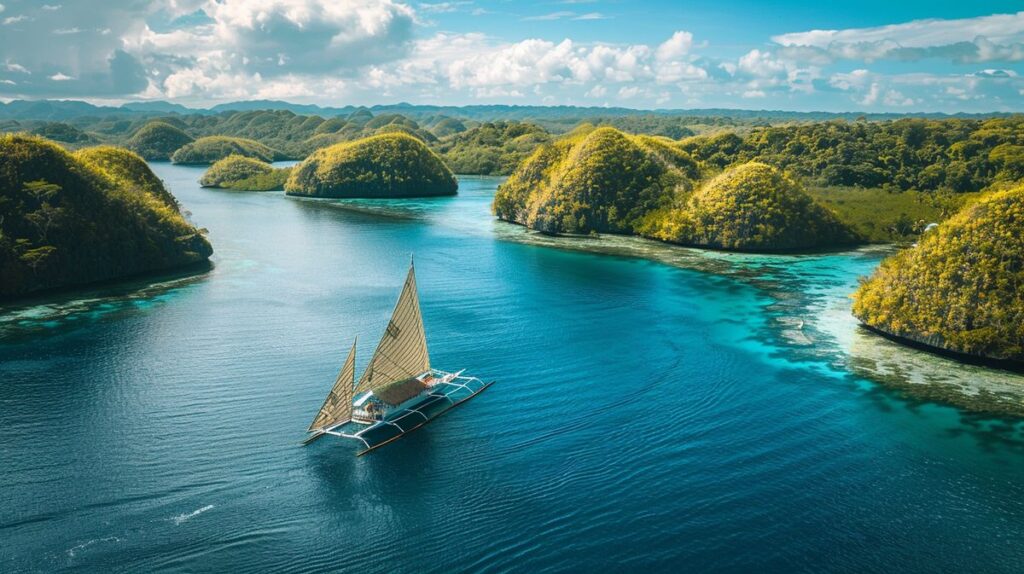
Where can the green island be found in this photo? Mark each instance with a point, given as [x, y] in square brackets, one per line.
[210, 149]
[243, 173]
[749, 207]
[960, 289]
[759, 181]
[158, 140]
[95, 215]
[387, 165]
[605, 181]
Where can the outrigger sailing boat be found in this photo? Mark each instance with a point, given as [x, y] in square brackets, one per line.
[398, 392]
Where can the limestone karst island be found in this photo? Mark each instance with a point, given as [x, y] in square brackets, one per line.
[489, 286]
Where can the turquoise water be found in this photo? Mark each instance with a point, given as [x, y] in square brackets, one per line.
[699, 415]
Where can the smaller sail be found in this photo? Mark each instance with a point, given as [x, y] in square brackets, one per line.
[337, 407]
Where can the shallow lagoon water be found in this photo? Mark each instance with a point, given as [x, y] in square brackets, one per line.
[688, 410]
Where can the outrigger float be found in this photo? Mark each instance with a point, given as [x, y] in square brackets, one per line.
[399, 392]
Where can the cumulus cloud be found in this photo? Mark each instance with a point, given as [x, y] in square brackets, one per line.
[342, 51]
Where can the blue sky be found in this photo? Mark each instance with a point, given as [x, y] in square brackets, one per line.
[872, 56]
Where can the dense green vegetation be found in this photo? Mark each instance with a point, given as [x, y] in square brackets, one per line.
[493, 148]
[889, 215]
[70, 220]
[245, 173]
[388, 165]
[63, 133]
[750, 207]
[128, 170]
[961, 288]
[158, 140]
[595, 180]
[210, 149]
[925, 155]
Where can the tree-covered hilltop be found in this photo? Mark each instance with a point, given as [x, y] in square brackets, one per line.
[388, 165]
[750, 207]
[210, 149]
[75, 219]
[924, 155]
[128, 170]
[158, 140]
[245, 174]
[595, 180]
[493, 148]
[961, 289]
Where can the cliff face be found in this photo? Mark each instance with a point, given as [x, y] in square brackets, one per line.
[384, 166]
[750, 207]
[75, 219]
[961, 289]
[599, 180]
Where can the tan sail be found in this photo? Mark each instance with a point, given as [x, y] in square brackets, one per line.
[337, 407]
[402, 352]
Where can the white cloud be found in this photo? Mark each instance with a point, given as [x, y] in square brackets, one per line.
[591, 16]
[551, 16]
[16, 19]
[754, 94]
[628, 92]
[60, 77]
[675, 47]
[849, 81]
[871, 97]
[998, 37]
[760, 64]
[51, 7]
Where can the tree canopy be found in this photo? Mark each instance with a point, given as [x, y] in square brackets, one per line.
[210, 149]
[595, 180]
[750, 207]
[388, 165]
[74, 219]
[158, 140]
[244, 173]
[961, 288]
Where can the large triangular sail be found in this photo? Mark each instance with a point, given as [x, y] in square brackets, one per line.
[337, 408]
[402, 352]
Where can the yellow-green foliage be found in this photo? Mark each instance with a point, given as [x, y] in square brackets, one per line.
[752, 207]
[244, 173]
[890, 215]
[157, 141]
[961, 288]
[926, 155]
[389, 165]
[493, 148]
[210, 149]
[128, 169]
[595, 180]
[69, 220]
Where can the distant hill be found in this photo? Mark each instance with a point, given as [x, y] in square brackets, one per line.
[54, 110]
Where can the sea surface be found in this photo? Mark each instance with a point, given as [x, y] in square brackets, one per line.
[656, 409]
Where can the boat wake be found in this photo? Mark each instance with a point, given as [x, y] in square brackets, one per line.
[177, 520]
[74, 550]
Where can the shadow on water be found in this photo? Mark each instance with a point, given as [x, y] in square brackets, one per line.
[59, 311]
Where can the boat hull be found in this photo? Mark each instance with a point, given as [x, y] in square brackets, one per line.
[413, 415]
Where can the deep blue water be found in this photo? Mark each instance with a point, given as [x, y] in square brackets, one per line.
[645, 417]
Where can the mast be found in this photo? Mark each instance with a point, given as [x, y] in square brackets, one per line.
[337, 407]
[402, 351]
